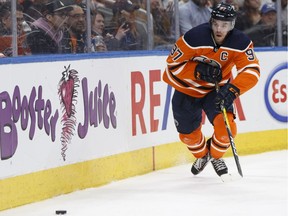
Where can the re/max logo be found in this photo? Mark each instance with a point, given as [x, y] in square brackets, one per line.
[147, 96]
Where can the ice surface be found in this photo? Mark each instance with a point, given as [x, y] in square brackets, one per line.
[176, 192]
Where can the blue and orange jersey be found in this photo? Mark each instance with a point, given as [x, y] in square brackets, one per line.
[198, 45]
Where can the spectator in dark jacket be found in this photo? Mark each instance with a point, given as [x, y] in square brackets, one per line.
[74, 40]
[47, 31]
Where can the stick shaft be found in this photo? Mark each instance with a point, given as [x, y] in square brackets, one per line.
[232, 143]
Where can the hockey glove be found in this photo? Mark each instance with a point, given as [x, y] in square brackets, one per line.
[226, 95]
[207, 73]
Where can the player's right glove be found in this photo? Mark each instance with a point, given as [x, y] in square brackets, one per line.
[207, 73]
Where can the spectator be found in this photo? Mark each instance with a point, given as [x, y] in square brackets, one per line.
[26, 4]
[264, 33]
[5, 19]
[193, 13]
[284, 19]
[161, 22]
[6, 30]
[284, 9]
[47, 31]
[33, 10]
[249, 15]
[234, 3]
[180, 2]
[124, 27]
[284, 12]
[98, 23]
[98, 36]
[213, 3]
[95, 4]
[101, 39]
[74, 39]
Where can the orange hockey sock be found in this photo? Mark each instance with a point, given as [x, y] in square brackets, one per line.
[195, 142]
[220, 140]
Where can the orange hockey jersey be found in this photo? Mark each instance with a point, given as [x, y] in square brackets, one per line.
[198, 45]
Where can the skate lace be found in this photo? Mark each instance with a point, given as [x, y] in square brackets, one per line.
[200, 162]
[218, 164]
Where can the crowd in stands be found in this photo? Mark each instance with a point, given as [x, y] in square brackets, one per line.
[60, 26]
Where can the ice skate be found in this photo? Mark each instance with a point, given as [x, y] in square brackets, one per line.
[219, 166]
[200, 163]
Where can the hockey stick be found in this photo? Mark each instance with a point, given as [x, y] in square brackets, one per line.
[233, 146]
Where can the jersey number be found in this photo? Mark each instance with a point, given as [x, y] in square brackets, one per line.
[176, 51]
[250, 55]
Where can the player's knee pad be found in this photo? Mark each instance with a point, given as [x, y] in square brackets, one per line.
[195, 142]
[220, 141]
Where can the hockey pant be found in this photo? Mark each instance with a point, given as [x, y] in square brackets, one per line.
[220, 142]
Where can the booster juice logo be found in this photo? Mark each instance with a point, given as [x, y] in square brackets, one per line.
[99, 108]
[276, 92]
[31, 112]
[68, 97]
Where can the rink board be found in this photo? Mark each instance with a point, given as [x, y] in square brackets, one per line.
[134, 136]
[49, 183]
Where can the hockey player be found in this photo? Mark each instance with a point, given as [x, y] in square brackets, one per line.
[201, 58]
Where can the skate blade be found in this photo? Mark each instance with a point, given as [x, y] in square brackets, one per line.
[229, 177]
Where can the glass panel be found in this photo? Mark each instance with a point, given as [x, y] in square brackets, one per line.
[35, 27]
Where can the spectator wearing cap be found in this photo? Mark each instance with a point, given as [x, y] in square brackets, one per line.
[264, 32]
[47, 31]
[124, 28]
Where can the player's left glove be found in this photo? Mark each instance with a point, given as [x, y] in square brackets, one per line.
[226, 95]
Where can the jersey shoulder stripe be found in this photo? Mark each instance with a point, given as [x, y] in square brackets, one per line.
[237, 40]
[201, 36]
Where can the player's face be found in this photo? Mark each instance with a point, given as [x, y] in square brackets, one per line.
[220, 30]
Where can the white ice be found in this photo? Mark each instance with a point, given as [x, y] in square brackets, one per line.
[176, 192]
